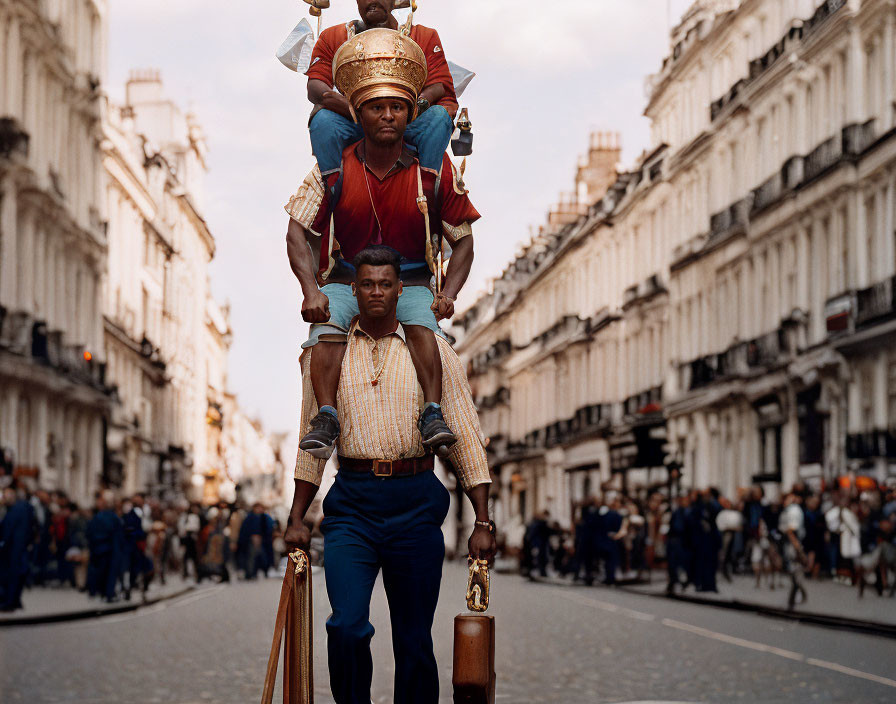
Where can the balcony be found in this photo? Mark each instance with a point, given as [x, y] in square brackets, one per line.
[768, 193]
[824, 12]
[767, 350]
[876, 302]
[759, 66]
[823, 157]
[732, 221]
[871, 444]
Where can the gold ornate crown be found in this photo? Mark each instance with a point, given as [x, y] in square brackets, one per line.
[379, 63]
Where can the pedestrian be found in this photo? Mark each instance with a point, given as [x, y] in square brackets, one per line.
[105, 539]
[843, 523]
[385, 510]
[188, 527]
[705, 542]
[216, 552]
[588, 544]
[538, 533]
[730, 524]
[252, 536]
[16, 533]
[678, 548]
[792, 526]
[815, 529]
[138, 565]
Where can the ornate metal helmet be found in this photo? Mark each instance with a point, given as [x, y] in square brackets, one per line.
[380, 63]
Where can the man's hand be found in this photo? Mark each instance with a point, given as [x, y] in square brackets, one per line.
[443, 306]
[297, 537]
[336, 101]
[482, 544]
[316, 308]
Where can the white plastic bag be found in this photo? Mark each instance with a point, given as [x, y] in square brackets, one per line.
[461, 77]
[295, 51]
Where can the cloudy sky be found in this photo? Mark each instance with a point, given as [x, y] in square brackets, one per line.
[548, 74]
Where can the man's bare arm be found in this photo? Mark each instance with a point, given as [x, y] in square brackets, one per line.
[433, 93]
[458, 270]
[297, 534]
[482, 544]
[315, 305]
[319, 93]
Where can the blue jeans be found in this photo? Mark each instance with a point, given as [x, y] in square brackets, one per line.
[394, 525]
[331, 133]
[413, 309]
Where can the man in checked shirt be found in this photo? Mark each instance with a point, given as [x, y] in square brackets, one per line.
[386, 508]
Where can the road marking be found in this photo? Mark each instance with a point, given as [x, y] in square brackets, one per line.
[731, 640]
[196, 596]
[850, 671]
[611, 608]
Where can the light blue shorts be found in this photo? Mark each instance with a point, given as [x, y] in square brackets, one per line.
[413, 309]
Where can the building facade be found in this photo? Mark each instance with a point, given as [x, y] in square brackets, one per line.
[724, 313]
[113, 353]
[54, 395]
[167, 339]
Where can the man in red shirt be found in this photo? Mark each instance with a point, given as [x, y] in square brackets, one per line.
[379, 195]
[333, 126]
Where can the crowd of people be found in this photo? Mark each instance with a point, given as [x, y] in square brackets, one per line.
[845, 534]
[120, 545]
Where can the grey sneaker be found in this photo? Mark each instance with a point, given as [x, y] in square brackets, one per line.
[320, 441]
[437, 436]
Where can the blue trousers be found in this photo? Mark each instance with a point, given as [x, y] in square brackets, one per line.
[331, 133]
[393, 525]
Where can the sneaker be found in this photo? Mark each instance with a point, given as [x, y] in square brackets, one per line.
[437, 436]
[320, 441]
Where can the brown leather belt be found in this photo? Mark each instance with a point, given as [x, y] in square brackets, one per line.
[388, 468]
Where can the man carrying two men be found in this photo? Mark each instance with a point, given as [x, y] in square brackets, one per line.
[362, 233]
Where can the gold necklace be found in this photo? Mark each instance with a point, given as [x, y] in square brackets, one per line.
[377, 374]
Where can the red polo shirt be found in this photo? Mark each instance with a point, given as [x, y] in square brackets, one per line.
[438, 72]
[373, 211]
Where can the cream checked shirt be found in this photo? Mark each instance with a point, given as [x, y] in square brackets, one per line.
[379, 421]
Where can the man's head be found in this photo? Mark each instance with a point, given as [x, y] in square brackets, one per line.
[379, 63]
[376, 13]
[377, 283]
[384, 120]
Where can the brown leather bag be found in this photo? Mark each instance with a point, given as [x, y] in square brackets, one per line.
[293, 625]
[474, 643]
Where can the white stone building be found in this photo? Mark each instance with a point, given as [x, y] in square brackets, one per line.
[53, 392]
[727, 306]
[167, 339]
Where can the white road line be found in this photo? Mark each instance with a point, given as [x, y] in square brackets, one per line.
[850, 671]
[612, 608]
[731, 640]
[197, 596]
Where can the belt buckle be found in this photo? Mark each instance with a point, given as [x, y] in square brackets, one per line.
[376, 468]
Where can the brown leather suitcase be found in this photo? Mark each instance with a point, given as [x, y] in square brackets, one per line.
[474, 659]
[474, 643]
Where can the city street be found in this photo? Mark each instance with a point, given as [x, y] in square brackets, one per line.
[555, 643]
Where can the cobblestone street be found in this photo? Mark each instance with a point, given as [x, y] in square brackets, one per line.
[555, 643]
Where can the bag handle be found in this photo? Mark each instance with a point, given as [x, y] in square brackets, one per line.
[294, 624]
[478, 586]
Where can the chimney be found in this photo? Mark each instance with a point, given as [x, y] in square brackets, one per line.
[144, 86]
[597, 170]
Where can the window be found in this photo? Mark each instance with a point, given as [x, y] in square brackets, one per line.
[811, 426]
